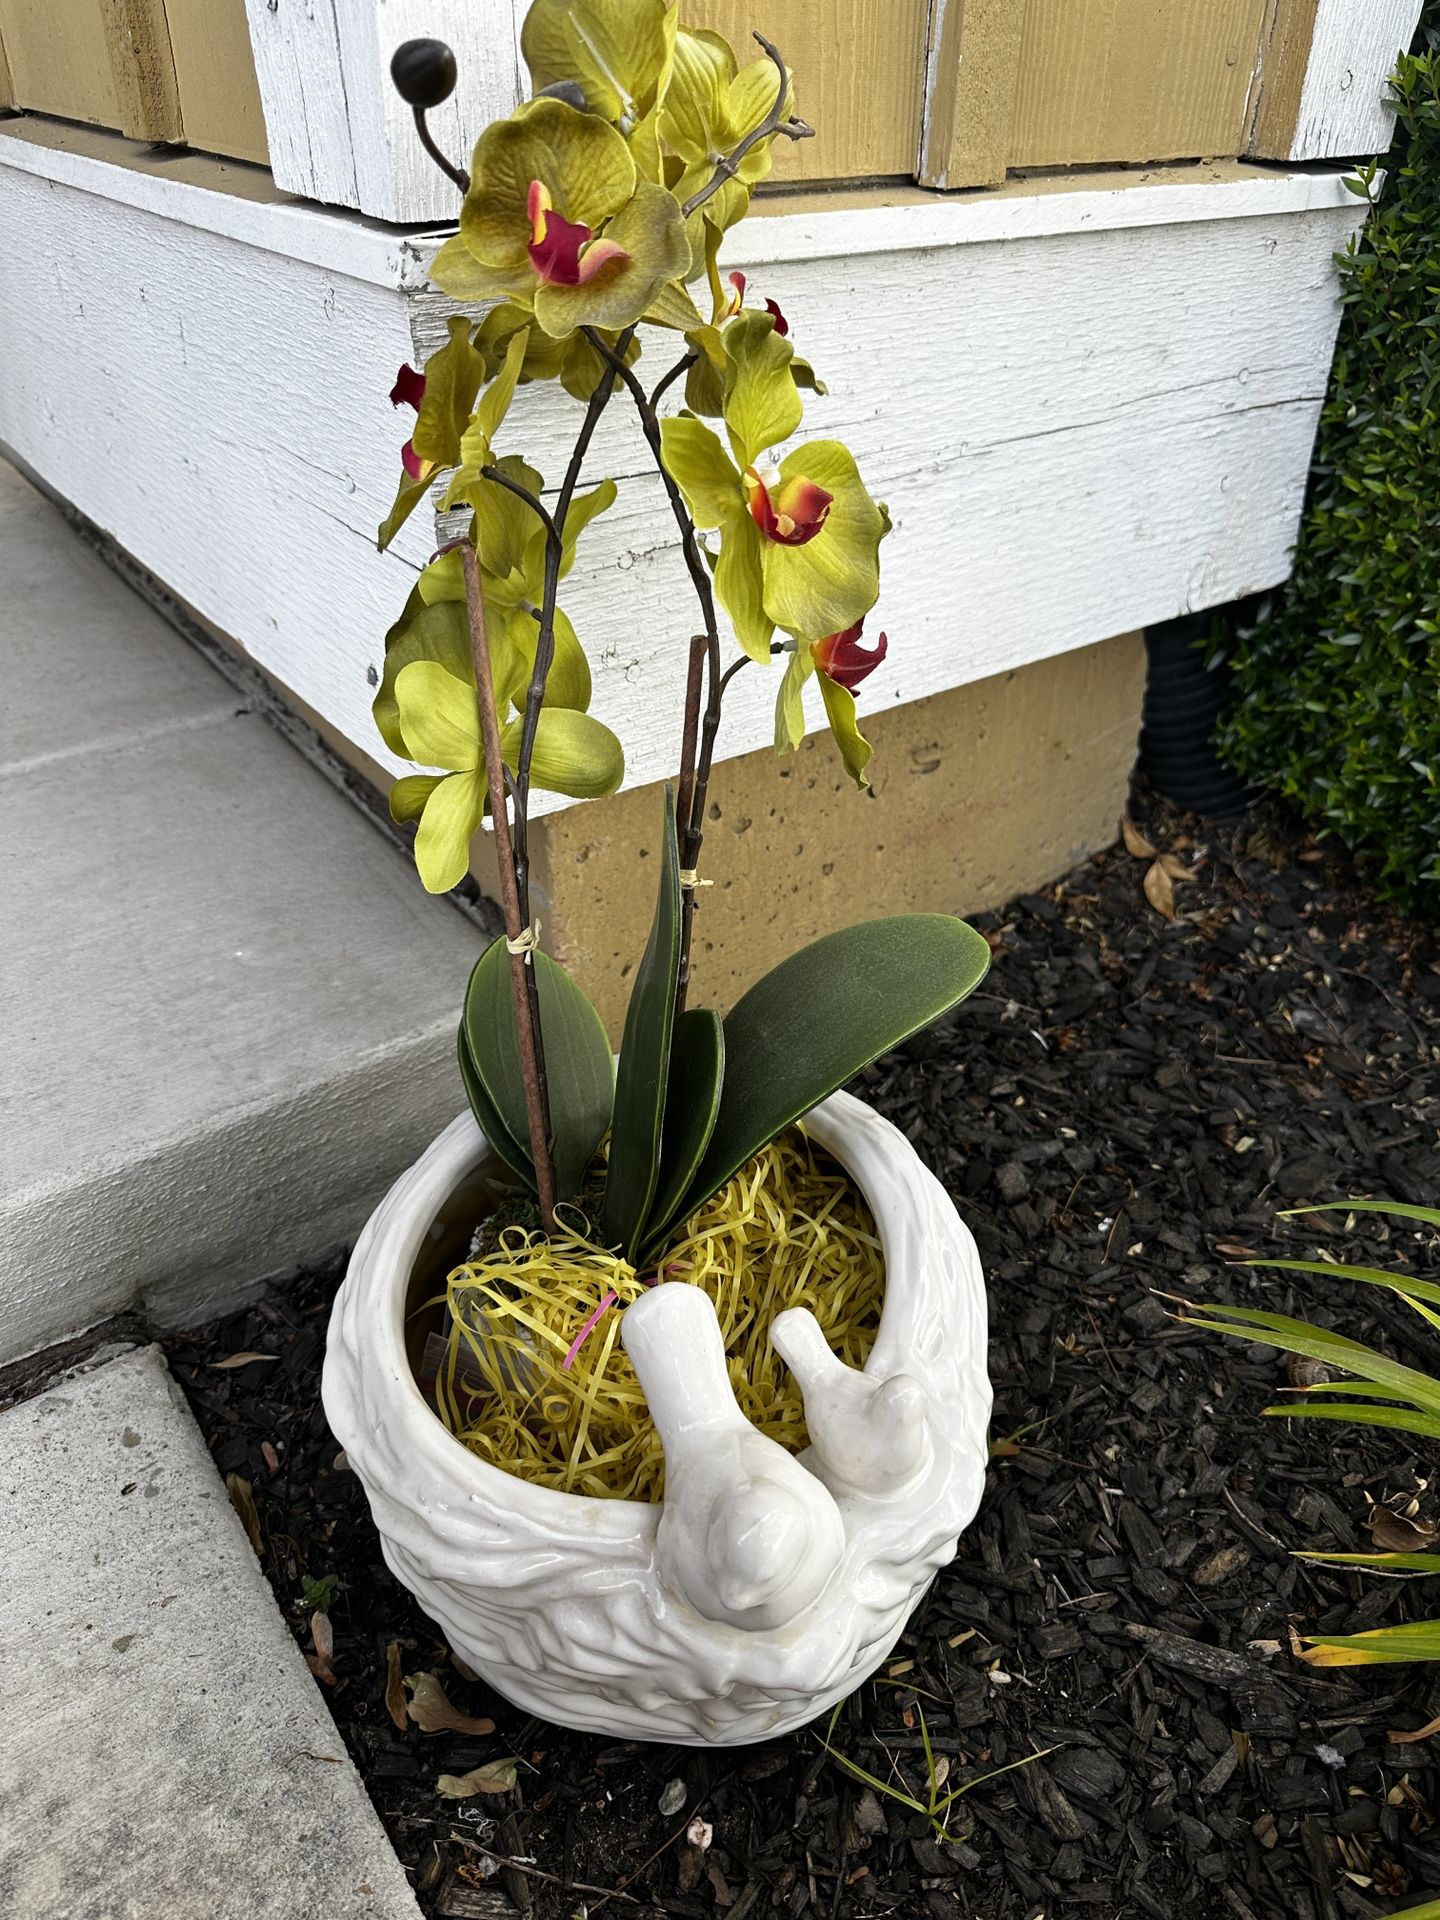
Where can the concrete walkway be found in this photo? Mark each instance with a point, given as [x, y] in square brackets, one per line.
[227, 1007]
[164, 1753]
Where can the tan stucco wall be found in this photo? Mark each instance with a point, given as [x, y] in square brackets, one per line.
[978, 794]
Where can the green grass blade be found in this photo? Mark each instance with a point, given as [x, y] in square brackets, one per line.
[1428, 1216]
[982, 1779]
[1382, 1646]
[1398, 1418]
[1396, 1562]
[1298, 1336]
[1367, 1276]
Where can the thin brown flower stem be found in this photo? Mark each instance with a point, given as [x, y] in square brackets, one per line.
[446, 166]
[691, 819]
[774, 122]
[694, 684]
[681, 366]
[524, 984]
[545, 638]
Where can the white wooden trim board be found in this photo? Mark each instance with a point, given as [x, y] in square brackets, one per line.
[1088, 410]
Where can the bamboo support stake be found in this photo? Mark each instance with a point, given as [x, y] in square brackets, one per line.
[523, 980]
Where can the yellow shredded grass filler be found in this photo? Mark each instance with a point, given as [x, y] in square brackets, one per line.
[788, 1231]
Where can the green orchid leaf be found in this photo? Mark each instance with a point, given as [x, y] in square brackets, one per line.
[643, 1075]
[855, 749]
[577, 1059]
[832, 580]
[762, 404]
[692, 1105]
[819, 1017]
[575, 754]
[487, 1115]
[697, 462]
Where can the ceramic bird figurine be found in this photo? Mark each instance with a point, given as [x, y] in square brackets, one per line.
[869, 1436]
[747, 1535]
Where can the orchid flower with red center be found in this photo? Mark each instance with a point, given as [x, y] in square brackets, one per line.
[842, 659]
[564, 252]
[791, 510]
[735, 300]
[841, 663]
[409, 391]
[799, 540]
[559, 221]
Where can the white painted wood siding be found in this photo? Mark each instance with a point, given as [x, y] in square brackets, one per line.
[337, 129]
[1352, 53]
[1088, 410]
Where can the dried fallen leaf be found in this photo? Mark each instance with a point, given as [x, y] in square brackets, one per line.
[1160, 891]
[240, 1360]
[432, 1712]
[242, 1499]
[395, 1687]
[1135, 841]
[1393, 1533]
[323, 1636]
[1399, 1736]
[271, 1457]
[1176, 868]
[496, 1776]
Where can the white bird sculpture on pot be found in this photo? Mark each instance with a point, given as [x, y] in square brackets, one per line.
[765, 1586]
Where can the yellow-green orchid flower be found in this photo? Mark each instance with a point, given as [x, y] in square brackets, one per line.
[443, 396]
[574, 754]
[618, 52]
[799, 540]
[557, 221]
[710, 106]
[841, 663]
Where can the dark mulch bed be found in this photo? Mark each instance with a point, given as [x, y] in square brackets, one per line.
[1123, 1108]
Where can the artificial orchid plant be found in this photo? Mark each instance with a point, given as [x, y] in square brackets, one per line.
[593, 211]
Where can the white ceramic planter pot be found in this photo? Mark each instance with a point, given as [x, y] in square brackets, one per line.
[763, 1588]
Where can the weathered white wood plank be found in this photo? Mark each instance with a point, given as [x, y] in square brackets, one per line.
[337, 130]
[1353, 52]
[1078, 431]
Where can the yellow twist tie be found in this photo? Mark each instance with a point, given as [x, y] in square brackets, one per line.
[525, 943]
[690, 877]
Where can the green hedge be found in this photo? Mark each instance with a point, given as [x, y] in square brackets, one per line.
[1337, 690]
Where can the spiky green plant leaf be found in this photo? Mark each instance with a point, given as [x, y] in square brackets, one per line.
[638, 1126]
[577, 1059]
[819, 1017]
[692, 1103]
